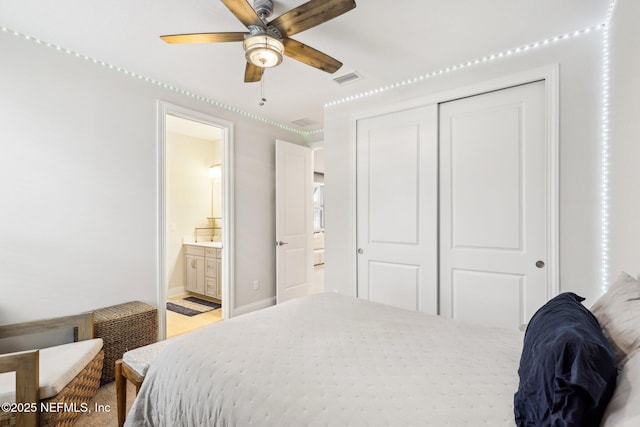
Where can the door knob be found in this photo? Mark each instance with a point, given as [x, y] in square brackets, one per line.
[281, 243]
[540, 264]
[360, 251]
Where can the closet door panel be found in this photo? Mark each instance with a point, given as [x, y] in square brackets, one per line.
[397, 171]
[493, 223]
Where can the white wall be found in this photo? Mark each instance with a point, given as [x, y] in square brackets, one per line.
[580, 76]
[624, 210]
[189, 195]
[78, 186]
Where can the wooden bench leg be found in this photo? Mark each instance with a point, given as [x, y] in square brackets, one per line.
[121, 393]
[124, 374]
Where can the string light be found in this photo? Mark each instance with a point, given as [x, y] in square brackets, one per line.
[463, 65]
[604, 182]
[605, 143]
[161, 84]
[605, 151]
[605, 125]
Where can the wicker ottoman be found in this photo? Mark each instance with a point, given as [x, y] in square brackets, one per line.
[124, 327]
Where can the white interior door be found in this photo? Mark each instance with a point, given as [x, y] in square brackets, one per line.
[294, 220]
[493, 225]
[397, 176]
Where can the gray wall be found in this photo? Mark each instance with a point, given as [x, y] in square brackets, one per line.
[624, 211]
[580, 64]
[78, 191]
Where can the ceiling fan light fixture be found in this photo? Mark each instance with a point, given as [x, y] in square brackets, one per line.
[263, 50]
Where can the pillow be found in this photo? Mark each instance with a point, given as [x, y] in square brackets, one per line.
[618, 312]
[567, 371]
[624, 407]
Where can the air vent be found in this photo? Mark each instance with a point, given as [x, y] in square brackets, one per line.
[347, 78]
[305, 122]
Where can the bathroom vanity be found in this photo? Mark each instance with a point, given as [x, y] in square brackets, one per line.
[203, 268]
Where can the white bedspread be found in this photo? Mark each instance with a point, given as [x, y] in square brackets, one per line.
[332, 360]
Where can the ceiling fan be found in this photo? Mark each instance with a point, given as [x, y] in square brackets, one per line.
[266, 41]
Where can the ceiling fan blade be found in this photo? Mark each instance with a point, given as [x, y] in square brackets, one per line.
[310, 56]
[310, 14]
[244, 12]
[204, 37]
[252, 73]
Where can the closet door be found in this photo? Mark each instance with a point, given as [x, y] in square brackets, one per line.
[493, 224]
[397, 211]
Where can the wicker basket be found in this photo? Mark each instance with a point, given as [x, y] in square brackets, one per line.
[124, 327]
[80, 390]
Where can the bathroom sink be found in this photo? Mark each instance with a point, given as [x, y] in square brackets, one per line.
[204, 243]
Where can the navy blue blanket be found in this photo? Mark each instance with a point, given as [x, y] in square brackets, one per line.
[567, 372]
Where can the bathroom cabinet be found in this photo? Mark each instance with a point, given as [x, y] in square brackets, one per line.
[203, 270]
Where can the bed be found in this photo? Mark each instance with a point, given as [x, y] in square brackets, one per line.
[334, 360]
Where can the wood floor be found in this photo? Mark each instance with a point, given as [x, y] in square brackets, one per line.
[178, 324]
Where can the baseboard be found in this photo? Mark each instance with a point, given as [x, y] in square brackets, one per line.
[177, 291]
[258, 305]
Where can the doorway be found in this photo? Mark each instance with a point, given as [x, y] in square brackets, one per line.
[195, 224]
[299, 220]
[317, 282]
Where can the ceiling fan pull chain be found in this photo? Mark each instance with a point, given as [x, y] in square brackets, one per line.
[262, 98]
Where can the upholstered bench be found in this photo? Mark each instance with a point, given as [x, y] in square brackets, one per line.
[133, 367]
[65, 376]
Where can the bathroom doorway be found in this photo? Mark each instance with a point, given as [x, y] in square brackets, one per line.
[317, 283]
[195, 221]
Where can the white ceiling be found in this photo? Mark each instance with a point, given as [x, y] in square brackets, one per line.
[384, 41]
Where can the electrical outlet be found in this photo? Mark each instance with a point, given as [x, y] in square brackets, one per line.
[256, 285]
